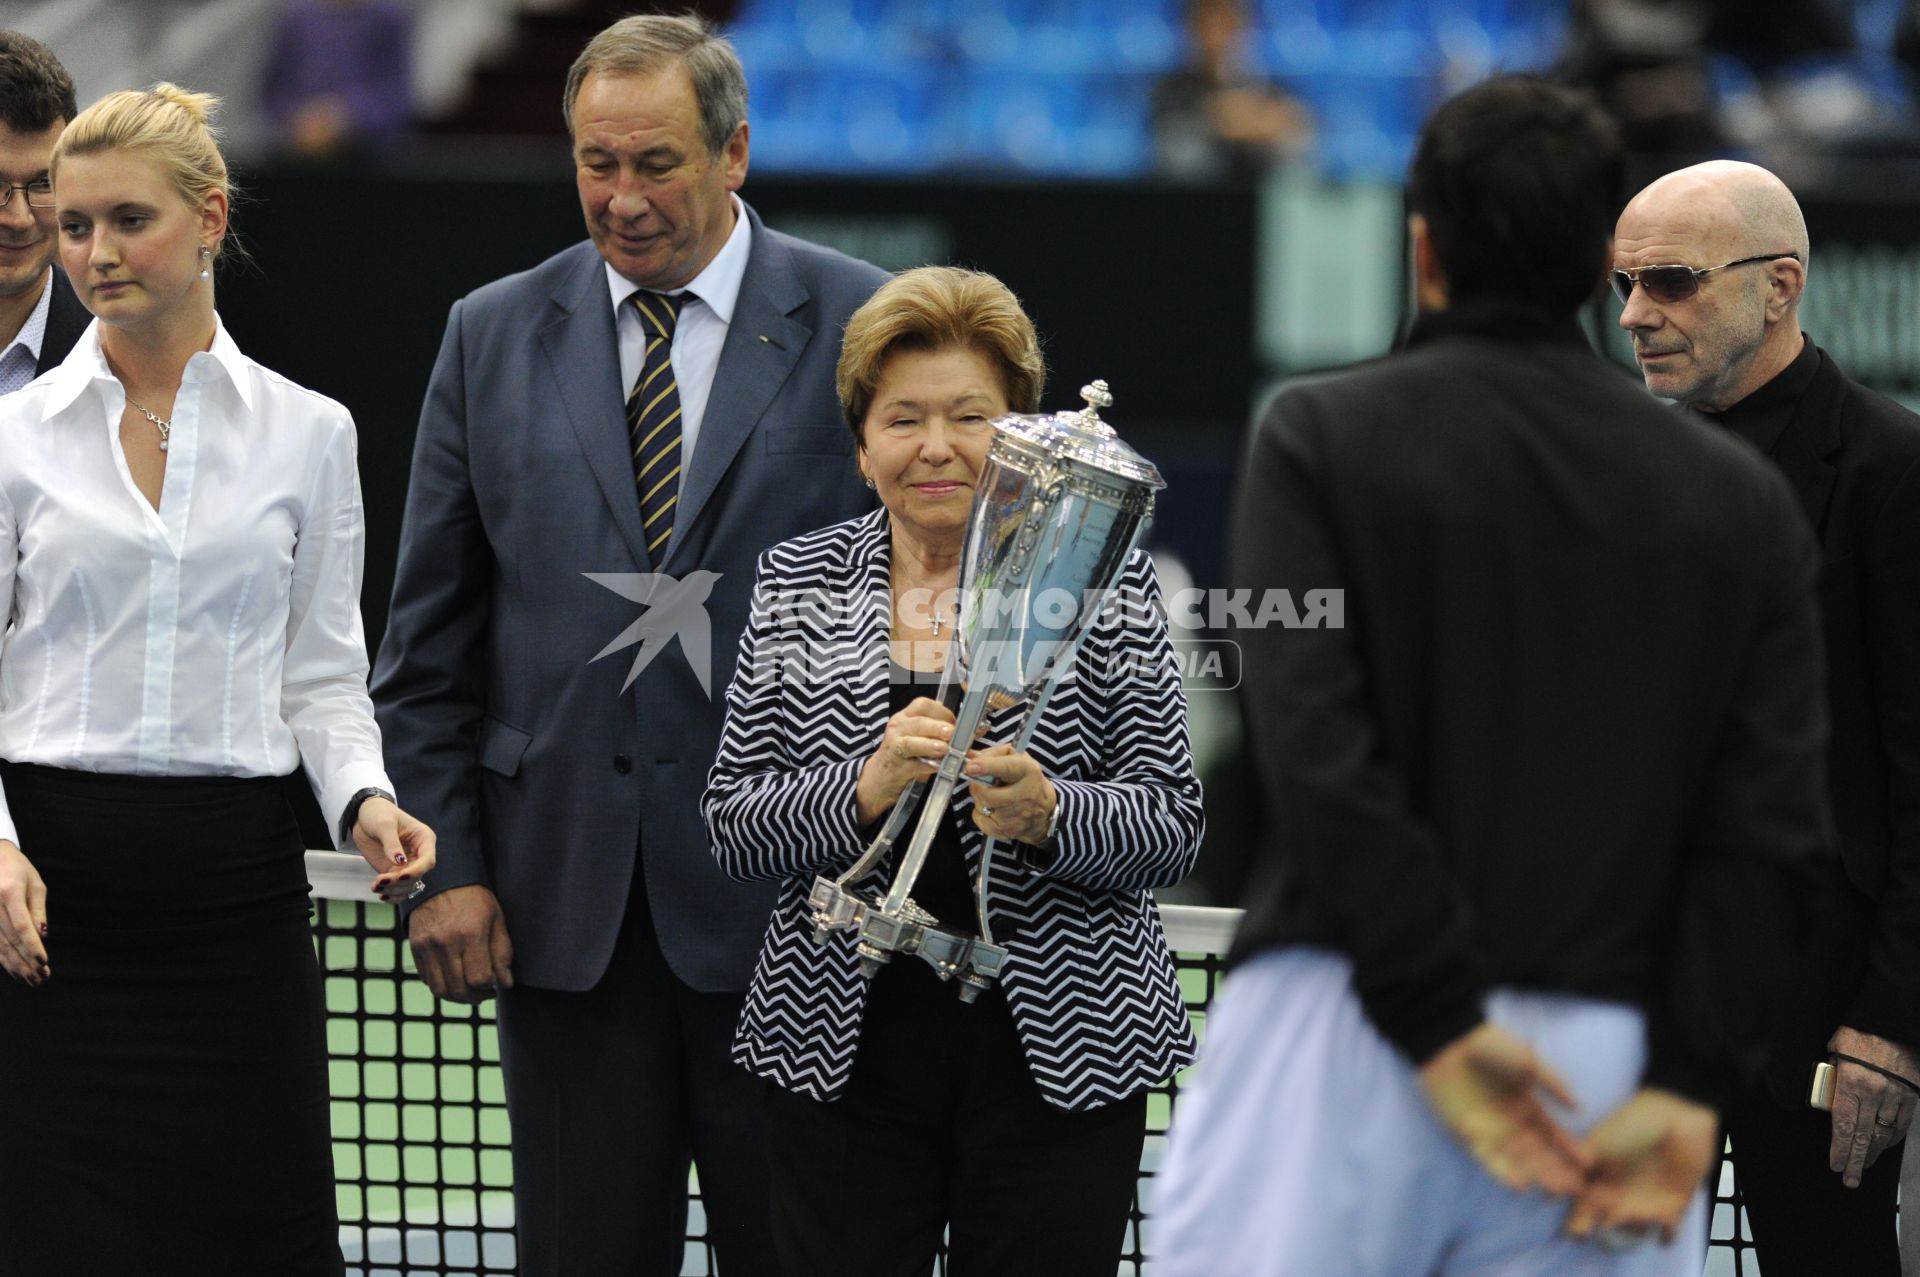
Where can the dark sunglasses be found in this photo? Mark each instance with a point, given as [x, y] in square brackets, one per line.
[1669, 284]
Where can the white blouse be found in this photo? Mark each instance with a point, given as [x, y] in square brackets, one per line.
[216, 636]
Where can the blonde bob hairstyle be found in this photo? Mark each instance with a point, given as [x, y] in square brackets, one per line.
[939, 308]
[166, 123]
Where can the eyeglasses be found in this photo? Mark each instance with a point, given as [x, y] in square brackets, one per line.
[1669, 284]
[39, 192]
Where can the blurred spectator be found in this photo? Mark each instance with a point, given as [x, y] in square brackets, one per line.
[1906, 38]
[337, 78]
[1690, 79]
[1646, 60]
[1213, 119]
[1767, 34]
[1809, 94]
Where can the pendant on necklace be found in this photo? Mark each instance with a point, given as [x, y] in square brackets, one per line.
[936, 627]
[162, 424]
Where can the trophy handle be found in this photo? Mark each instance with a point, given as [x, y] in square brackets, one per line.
[1021, 740]
[949, 695]
[880, 846]
[972, 710]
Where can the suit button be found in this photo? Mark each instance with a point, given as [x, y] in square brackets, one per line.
[622, 764]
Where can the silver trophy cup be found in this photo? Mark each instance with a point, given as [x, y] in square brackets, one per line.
[1060, 505]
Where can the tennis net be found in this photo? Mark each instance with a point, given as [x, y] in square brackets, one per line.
[421, 1143]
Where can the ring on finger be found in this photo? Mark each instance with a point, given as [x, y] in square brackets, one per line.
[899, 750]
[986, 811]
[1885, 1122]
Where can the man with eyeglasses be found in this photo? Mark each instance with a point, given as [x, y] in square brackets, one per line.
[1710, 262]
[1543, 806]
[40, 318]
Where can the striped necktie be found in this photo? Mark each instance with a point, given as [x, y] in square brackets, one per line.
[653, 419]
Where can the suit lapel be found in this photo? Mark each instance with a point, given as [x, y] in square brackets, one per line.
[583, 355]
[67, 319]
[763, 345]
[1811, 438]
[873, 580]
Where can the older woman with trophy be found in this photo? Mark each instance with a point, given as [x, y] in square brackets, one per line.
[958, 741]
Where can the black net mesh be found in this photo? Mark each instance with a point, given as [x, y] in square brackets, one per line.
[420, 1137]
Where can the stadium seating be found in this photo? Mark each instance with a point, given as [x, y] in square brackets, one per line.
[1061, 87]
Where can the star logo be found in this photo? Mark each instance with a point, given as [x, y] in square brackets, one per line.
[676, 608]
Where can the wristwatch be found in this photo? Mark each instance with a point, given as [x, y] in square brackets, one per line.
[1053, 817]
[352, 812]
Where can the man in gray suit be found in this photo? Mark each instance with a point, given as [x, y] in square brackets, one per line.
[609, 440]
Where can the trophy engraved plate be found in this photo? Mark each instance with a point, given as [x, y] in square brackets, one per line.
[1061, 503]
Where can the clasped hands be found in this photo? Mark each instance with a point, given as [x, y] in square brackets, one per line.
[1012, 798]
[1631, 1177]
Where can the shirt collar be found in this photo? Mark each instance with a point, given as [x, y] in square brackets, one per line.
[1763, 416]
[87, 366]
[718, 285]
[33, 333]
[223, 359]
[1500, 318]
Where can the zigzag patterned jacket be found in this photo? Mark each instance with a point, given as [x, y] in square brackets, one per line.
[1088, 978]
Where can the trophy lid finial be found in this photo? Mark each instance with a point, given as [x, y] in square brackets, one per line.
[1097, 397]
[1080, 438]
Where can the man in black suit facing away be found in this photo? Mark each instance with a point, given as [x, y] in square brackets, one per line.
[40, 318]
[1713, 259]
[1541, 808]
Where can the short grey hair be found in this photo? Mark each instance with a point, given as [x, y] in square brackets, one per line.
[648, 42]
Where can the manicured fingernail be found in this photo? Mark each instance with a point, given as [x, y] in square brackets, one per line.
[43, 928]
[399, 857]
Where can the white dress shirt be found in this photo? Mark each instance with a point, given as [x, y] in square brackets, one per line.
[216, 636]
[699, 334]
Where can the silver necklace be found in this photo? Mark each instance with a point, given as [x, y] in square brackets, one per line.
[166, 430]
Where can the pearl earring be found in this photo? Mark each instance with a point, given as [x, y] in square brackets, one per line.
[206, 262]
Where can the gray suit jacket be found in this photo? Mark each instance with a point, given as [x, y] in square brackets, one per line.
[539, 773]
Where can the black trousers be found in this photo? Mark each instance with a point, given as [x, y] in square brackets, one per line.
[1806, 1223]
[612, 1094]
[166, 1088]
[942, 1128]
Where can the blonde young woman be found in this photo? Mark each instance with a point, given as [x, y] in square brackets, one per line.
[180, 555]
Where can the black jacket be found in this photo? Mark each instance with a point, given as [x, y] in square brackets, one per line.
[66, 320]
[1569, 738]
[1853, 458]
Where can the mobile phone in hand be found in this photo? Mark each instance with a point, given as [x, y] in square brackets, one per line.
[1820, 1096]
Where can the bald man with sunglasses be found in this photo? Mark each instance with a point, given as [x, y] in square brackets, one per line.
[1710, 262]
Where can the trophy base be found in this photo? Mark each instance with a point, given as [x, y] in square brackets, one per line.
[970, 961]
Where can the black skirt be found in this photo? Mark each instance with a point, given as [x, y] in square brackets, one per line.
[165, 1090]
